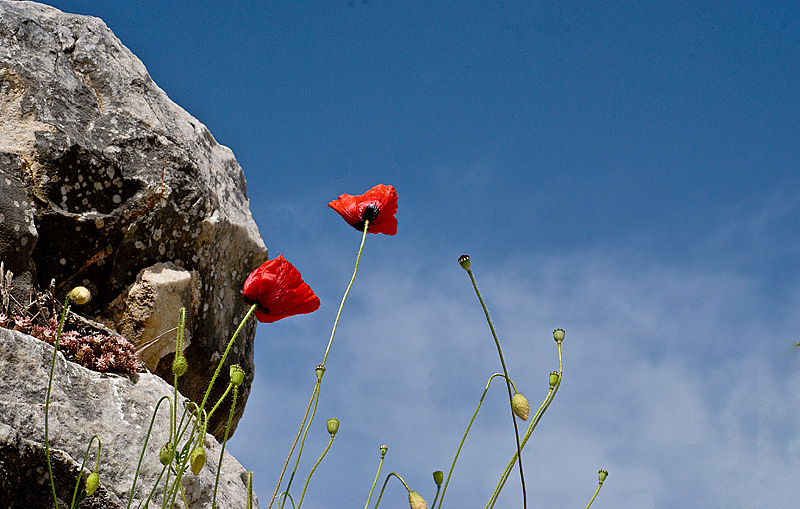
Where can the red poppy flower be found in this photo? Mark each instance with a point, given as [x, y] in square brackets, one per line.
[279, 291]
[378, 206]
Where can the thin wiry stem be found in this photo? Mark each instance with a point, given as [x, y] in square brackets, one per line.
[508, 385]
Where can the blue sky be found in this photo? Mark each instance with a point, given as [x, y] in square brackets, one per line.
[627, 171]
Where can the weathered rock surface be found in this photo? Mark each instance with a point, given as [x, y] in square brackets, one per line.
[102, 176]
[84, 403]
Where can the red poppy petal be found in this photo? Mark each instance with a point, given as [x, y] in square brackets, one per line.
[381, 197]
[279, 290]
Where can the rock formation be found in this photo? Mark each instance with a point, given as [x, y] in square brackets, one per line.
[84, 403]
[103, 177]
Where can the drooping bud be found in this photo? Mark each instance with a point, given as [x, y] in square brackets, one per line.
[554, 376]
[520, 406]
[237, 375]
[384, 450]
[463, 260]
[438, 477]
[320, 370]
[416, 501]
[92, 483]
[197, 459]
[602, 474]
[558, 335]
[179, 365]
[166, 454]
[333, 426]
[80, 295]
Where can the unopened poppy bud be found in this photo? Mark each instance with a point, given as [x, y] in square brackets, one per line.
[237, 375]
[384, 450]
[554, 376]
[416, 501]
[333, 426]
[80, 295]
[320, 370]
[464, 261]
[92, 483]
[520, 406]
[558, 335]
[179, 365]
[197, 459]
[166, 454]
[438, 477]
[602, 474]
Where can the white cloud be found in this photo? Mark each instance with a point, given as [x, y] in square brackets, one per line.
[670, 383]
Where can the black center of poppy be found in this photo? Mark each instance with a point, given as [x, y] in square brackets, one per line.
[250, 302]
[370, 213]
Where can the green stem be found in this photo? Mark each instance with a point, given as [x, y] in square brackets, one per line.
[47, 400]
[464, 438]
[600, 485]
[224, 441]
[303, 441]
[228, 349]
[336, 322]
[303, 494]
[508, 385]
[144, 447]
[534, 422]
[299, 432]
[80, 472]
[219, 401]
[249, 489]
[377, 475]
[380, 495]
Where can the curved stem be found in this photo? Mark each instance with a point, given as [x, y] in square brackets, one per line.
[303, 441]
[47, 400]
[144, 447]
[508, 385]
[303, 494]
[380, 495]
[464, 438]
[80, 472]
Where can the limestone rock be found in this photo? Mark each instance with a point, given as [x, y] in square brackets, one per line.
[152, 307]
[84, 403]
[102, 176]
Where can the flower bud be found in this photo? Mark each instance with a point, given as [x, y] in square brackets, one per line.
[602, 474]
[464, 261]
[197, 459]
[80, 295]
[179, 365]
[384, 450]
[554, 376]
[237, 375]
[333, 426]
[320, 370]
[520, 406]
[438, 477]
[166, 454]
[92, 483]
[416, 501]
[558, 335]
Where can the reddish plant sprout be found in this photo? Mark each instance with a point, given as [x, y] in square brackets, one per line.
[378, 206]
[22, 323]
[279, 291]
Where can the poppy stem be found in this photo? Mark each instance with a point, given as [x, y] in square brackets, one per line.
[336, 322]
[508, 386]
[228, 349]
[464, 438]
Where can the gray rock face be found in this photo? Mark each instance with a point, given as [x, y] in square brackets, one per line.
[84, 403]
[102, 176]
